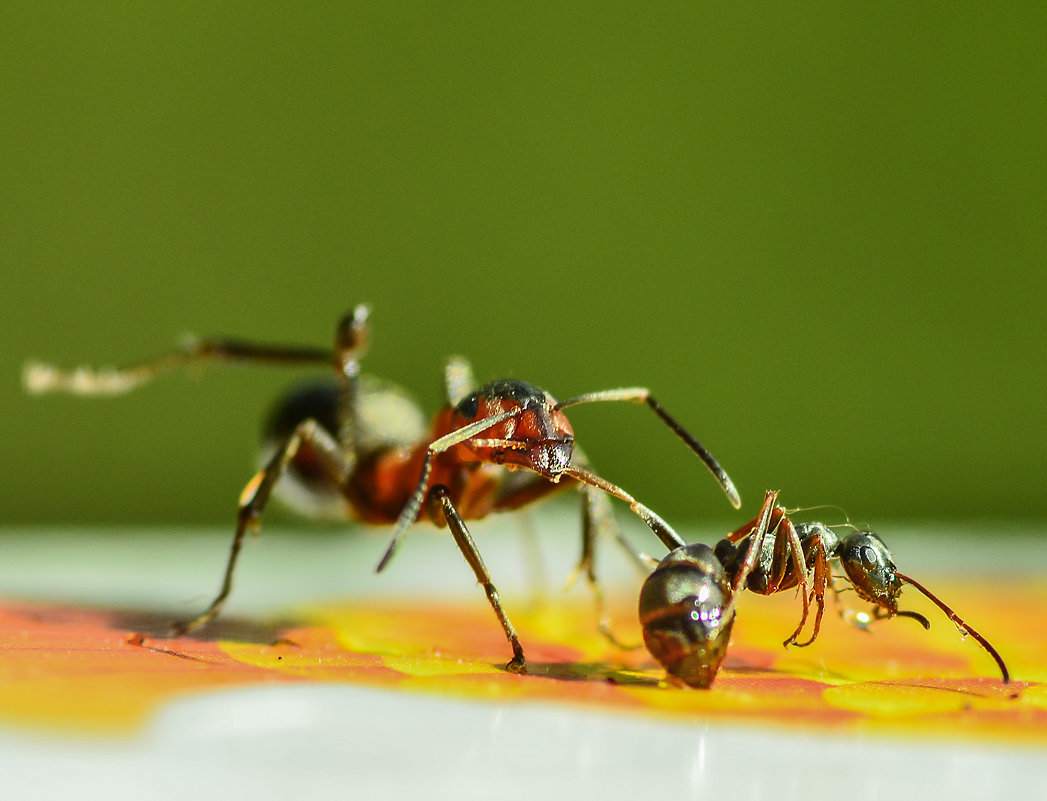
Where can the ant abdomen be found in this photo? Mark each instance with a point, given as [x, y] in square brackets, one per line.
[682, 612]
[386, 418]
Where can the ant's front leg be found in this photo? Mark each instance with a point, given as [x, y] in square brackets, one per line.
[256, 495]
[439, 494]
[852, 617]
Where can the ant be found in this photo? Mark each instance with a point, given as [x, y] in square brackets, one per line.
[361, 443]
[687, 604]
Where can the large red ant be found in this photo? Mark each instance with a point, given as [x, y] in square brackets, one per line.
[687, 604]
[362, 443]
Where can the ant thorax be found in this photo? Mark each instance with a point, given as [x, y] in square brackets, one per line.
[811, 534]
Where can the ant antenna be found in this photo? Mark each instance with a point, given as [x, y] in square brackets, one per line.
[915, 616]
[642, 395]
[955, 618]
[414, 502]
[795, 510]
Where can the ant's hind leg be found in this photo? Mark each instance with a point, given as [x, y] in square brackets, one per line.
[440, 494]
[256, 495]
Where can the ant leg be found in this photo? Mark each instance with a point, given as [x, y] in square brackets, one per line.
[598, 518]
[350, 342]
[642, 395]
[532, 558]
[670, 539]
[821, 578]
[40, 378]
[859, 620]
[644, 562]
[458, 380]
[756, 533]
[466, 544]
[414, 502]
[256, 494]
[799, 563]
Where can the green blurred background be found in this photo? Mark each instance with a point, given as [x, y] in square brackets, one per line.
[817, 232]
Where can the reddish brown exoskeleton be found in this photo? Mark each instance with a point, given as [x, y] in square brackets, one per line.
[687, 603]
[359, 447]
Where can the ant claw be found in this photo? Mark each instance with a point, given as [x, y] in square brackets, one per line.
[517, 665]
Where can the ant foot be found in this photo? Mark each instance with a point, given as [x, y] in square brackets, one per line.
[181, 629]
[612, 638]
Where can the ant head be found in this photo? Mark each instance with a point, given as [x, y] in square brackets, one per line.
[685, 614]
[870, 567]
[537, 436]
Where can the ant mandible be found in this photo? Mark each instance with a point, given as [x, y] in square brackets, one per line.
[362, 442]
[686, 605]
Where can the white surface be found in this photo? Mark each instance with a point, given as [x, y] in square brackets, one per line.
[171, 569]
[338, 742]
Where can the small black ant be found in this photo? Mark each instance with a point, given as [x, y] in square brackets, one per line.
[686, 605]
[361, 447]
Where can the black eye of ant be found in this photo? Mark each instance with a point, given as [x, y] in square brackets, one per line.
[469, 407]
[869, 559]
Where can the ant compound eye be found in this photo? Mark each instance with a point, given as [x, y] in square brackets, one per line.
[869, 558]
[469, 407]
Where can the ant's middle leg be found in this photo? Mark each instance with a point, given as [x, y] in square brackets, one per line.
[819, 581]
[256, 495]
[441, 495]
[788, 548]
[598, 519]
[786, 552]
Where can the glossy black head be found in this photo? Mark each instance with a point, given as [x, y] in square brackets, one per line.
[539, 438]
[870, 567]
[523, 394]
[682, 607]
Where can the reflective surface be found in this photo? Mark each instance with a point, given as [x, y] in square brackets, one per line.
[323, 740]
